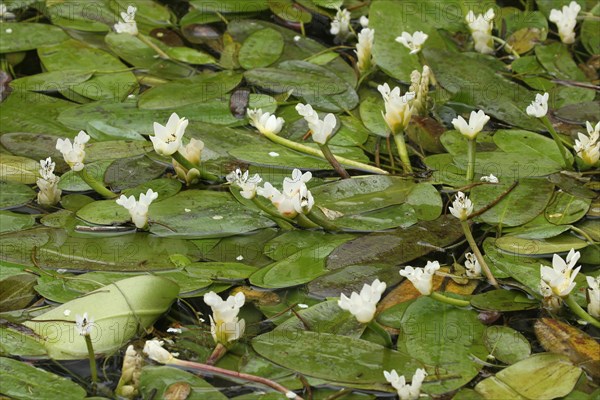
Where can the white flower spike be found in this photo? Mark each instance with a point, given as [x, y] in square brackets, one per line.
[593, 307]
[364, 21]
[481, 29]
[588, 147]
[565, 21]
[491, 178]
[413, 42]
[247, 184]
[472, 266]
[138, 210]
[167, 139]
[84, 324]
[538, 107]
[155, 351]
[128, 25]
[364, 50]
[49, 193]
[5, 15]
[264, 122]
[406, 391]
[398, 109]
[561, 276]
[295, 197]
[193, 153]
[340, 26]
[363, 305]
[477, 121]
[74, 154]
[321, 129]
[421, 278]
[225, 326]
[462, 207]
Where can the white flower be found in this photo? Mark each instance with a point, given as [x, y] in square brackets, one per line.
[247, 184]
[413, 42]
[421, 278]
[128, 25]
[265, 122]
[154, 350]
[321, 129]
[539, 107]
[290, 395]
[593, 307]
[472, 266]
[340, 26]
[588, 147]
[363, 305]
[561, 277]
[83, 324]
[462, 207]
[193, 153]
[49, 193]
[66, 313]
[364, 21]
[295, 197]
[225, 326]
[364, 49]
[481, 29]
[406, 391]
[5, 14]
[565, 21]
[167, 139]
[131, 372]
[490, 178]
[138, 210]
[398, 109]
[476, 122]
[74, 154]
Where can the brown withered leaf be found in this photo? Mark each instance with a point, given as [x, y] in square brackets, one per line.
[178, 391]
[261, 297]
[558, 337]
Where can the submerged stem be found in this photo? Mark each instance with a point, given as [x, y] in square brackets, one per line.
[333, 161]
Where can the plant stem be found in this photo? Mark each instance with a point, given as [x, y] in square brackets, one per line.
[328, 226]
[378, 329]
[333, 161]
[282, 222]
[238, 375]
[478, 255]
[580, 312]
[471, 143]
[403, 152]
[304, 222]
[561, 147]
[154, 47]
[507, 46]
[318, 153]
[218, 353]
[93, 369]
[180, 158]
[449, 300]
[94, 184]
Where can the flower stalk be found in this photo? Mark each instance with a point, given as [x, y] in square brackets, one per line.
[471, 144]
[484, 267]
[281, 221]
[449, 300]
[153, 46]
[380, 330]
[580, 312]
[559, 144]
[333, 161]
[403, 152]
[318, 153]
[323, 222]
[97, 186]
[91, 356]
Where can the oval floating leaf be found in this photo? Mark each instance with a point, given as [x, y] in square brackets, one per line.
[261, 49]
